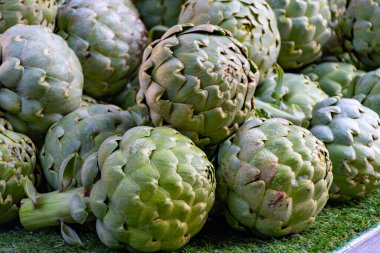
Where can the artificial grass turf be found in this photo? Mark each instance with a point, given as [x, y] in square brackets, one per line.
[335, 225]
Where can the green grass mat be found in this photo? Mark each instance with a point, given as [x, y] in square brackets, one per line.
[335, 225]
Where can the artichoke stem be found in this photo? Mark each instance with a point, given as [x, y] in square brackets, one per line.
[50, 210]
[279, 83]
[277, 113]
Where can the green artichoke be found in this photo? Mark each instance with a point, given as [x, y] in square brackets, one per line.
[199, 81]
[337, 8]
[77, 135]
[155, 192]
[159, 12]
[366, 90]
[252, 22]
[108, 38]
[41, 79]
[360, 30]
[127, 97]
[289, 96]
[18, 161]
[351, 133]
[304, 29]
[273, 177]
[27, 12]
[333, 77]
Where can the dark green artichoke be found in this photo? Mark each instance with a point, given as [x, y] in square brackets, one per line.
[18, 161]
[289, 96]
[41, 79]
[360, 31]
[304, 29]
[109, 40]
[127, 97]
[159, 12]
[273, 178]
[27, 12]
[252, 22]
[351, 133]
[199, 81]
[77, 135]
[334, 78]
[366, 90]
[155, 192]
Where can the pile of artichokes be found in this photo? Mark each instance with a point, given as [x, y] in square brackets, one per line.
[136, 116]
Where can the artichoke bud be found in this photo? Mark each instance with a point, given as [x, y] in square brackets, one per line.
[10, 101]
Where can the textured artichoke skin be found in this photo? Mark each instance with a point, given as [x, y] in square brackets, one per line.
[298, 97]
[41, 79]
[366, 90]
[108, 38]
[360, 30]
[159, 188]
[159, 12]
[273, 177]
[304, 29]
[27, 12]
[127, 97]
[252, 22]
[333, 77]
[198, 80]
[351, 134]
[18, 160]
[79, 134]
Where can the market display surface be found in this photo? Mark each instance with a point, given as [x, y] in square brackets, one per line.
[189, 126]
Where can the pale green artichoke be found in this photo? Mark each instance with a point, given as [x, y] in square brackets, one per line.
[333, 77]
[337, 8]
[252, 22]
[27, 12]
[199, 81]
[360, 30]
[367, 90]
[159, 12]
[41, 79]
[155, 192]
[304, 29]
[18, 161]
[109, 40]
[351, 133]
[289, 96]
[273, 177]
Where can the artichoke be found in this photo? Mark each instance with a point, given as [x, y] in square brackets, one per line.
[18, 161]
[333, 77]
[108, 39]
[304, 29]
[252, 22]
[366, 90]
[127, 97]
[273, 177]
[289, 96]
[351, 133]
[27, 12]
[41, 79]
[360, 30]
[199, 81]
[77, 135]
[159, 12]
[155, 192]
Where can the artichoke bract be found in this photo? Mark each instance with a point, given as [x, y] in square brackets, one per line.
[304, 29]
[273, 177]
[18, 161]
[252, 22]
[159, 12]
[351, 133]
[41, 79]
[108, 38]
[366, 90]
[291, 96]
[199, 81]
[79, 134]
[360, 31]
[127, 97]
[155, 192]
[334, 78]
[27, 12]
